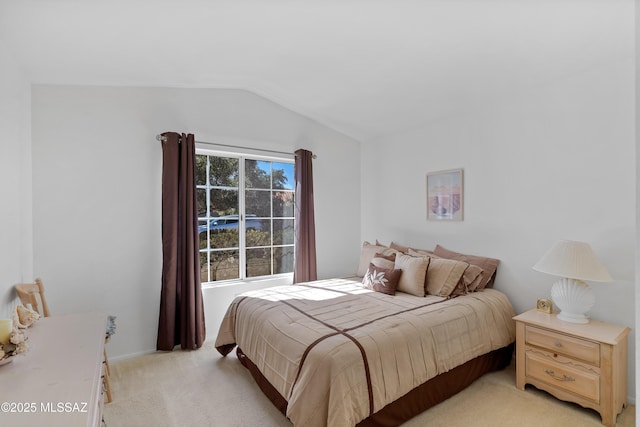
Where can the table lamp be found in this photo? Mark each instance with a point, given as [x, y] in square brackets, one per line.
[573, 262]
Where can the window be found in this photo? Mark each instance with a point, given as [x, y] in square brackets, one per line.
[245, 216]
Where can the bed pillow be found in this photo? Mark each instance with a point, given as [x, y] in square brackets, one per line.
[399, 248]
[488, 265]
[407, 250]
[420, 252]
[384, 280]
[367, 253]
[469, 281]
[472, 277]
[444, 275]
[414, 273]
[384, 260]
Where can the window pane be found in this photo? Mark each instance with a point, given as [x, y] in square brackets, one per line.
[257, 203]
[282, 176]
[259, 262]
[223, 171]
[223, 235]
[202, 234]
[283, 203]
[260, 236]
[283, 260]
[224, 265]
[201, 169]
[257, 174]
[223, 202]
[283, 232]
[204, 267]
[253, 223]
[201, 200]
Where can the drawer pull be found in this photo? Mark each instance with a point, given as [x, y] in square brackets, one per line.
[557, 344]
[556, 377]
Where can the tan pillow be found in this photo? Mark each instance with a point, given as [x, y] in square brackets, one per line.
[460, 289]
[384, 261]
[472, 277]
[407, 250]
[443, 275]
[488, 265]
[420, 252]
[366, 255]
[399, 248]
[383, 280]
[414, 272]
[469, 281]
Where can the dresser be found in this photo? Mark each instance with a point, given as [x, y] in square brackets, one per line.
[58, 382]
[581, 363]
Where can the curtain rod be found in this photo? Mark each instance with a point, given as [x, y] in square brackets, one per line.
[164, 138]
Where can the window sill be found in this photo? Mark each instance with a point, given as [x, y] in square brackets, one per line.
[260, 282]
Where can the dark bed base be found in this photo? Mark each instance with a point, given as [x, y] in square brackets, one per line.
[419, 399]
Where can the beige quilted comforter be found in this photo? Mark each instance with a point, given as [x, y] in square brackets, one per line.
[338, 353]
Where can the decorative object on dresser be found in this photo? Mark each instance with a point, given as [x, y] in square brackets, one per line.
[6, 326]
[573, 262]
[12, 341]
[581, 363]
[24, 317]
[545, 305]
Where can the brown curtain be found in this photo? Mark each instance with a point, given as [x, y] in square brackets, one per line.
[181, 308]
[304, 269]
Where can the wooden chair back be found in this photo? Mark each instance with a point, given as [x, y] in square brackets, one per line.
[32, 296]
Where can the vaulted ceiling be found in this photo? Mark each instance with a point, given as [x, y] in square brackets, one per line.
[365, 68]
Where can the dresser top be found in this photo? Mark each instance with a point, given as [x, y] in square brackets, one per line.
[59, 376]
[608, 333]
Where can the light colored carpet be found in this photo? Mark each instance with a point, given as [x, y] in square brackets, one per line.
[200, 388]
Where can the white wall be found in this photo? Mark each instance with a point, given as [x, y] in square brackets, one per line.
[549, 162]
[15, 180]
[97, 186]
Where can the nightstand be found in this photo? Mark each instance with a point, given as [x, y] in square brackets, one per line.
[581, 363]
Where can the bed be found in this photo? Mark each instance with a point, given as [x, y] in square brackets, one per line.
[335, 353]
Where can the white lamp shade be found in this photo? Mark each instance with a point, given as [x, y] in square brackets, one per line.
[575, 260]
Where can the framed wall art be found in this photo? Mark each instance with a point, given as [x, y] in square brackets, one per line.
[445, 195]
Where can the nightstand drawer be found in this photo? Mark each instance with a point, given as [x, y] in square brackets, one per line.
[563, 375]
[587, 351]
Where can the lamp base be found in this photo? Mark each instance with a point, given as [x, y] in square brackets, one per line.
[574, 298]
[573, 318]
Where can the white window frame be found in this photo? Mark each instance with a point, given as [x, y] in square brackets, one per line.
[242, 257]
